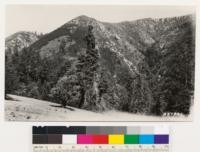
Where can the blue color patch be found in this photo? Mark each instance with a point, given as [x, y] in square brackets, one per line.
[146, 139]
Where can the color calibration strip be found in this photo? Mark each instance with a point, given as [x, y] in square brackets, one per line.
[112, 135]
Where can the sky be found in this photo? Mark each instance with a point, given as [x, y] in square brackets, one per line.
[46, 18]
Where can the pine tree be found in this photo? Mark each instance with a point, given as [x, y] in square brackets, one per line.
[87, 67]
[11, 73]
[12, 78]
[76, 87]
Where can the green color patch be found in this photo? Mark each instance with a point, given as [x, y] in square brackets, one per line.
[131, 139]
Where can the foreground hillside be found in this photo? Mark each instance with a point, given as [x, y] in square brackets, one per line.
[29, 109]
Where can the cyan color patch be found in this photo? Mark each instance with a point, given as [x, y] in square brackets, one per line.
[146, 139]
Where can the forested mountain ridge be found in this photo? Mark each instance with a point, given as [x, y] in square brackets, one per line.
[143, 66]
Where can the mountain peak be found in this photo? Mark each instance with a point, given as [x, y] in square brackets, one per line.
[82, 19]
[22, 39]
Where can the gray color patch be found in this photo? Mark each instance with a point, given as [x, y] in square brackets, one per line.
[147, 130]
[133, 130]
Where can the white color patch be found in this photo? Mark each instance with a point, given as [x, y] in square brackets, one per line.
[69, 139]
[161, 130]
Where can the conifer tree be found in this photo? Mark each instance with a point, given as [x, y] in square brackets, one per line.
[87, 66]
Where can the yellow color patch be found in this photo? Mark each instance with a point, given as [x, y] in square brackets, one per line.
[116, 139]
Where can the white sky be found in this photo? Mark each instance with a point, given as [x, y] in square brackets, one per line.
[46, 18]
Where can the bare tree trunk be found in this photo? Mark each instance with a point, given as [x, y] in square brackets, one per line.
[82, 98]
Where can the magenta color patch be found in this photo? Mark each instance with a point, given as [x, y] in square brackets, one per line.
[84, 139]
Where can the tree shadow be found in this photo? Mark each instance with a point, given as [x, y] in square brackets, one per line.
[57, 106]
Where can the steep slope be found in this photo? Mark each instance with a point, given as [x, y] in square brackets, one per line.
[134, 58]
[128, 39]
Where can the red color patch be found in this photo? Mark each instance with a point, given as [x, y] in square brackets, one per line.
[100, 139]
